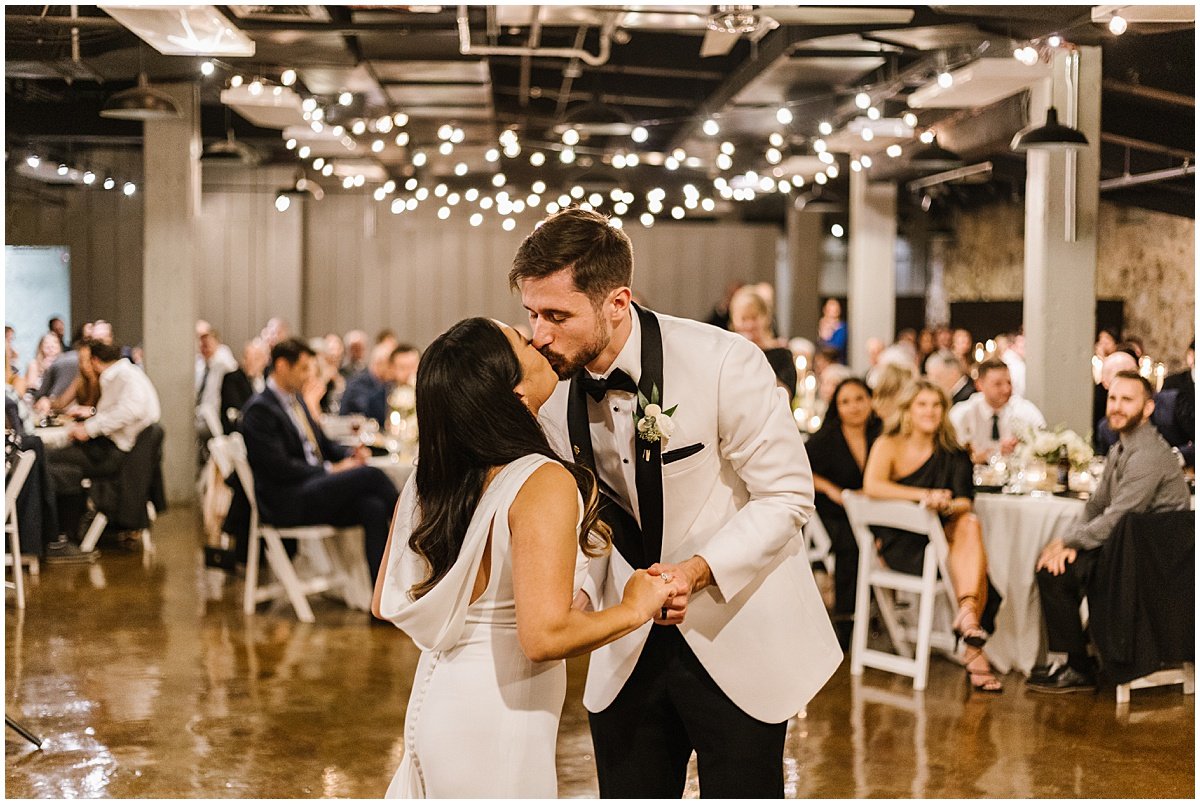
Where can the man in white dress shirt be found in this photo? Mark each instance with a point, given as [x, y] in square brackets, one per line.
[707, 484]
[213, 361]
[98, 446]
[994, 419]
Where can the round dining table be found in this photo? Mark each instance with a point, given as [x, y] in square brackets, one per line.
[1015, 529]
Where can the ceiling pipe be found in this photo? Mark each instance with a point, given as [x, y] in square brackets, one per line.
[592, 59]
[948, 176]
[1121, 182]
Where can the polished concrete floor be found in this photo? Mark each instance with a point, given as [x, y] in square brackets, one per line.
[147, 681]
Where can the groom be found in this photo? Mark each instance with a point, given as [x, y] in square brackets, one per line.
[708, 486]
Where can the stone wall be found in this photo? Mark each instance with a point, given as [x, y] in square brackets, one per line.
[1145, 258]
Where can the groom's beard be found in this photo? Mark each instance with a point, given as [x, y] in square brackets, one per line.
[566, 366]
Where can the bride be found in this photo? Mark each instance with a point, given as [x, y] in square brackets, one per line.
[487, 550]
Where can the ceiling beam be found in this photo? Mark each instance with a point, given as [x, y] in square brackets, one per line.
[1149, 93]
[1143, 145]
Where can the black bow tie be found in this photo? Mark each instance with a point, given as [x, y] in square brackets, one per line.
[617, 381]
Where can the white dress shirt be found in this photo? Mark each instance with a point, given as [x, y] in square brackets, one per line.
[128, 405]
[972, 420]
[208, 391]
[610, 422]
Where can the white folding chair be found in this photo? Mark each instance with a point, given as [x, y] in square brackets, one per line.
[11, 491]
[914, 641]
[818, 543]
[289, 583]
[100, 522]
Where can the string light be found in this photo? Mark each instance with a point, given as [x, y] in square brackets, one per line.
[711, 128]
[207, 68]
[1118, 25]
[784, 115]
[639, 134]
[287, 78]
[345, 99]
[825, 128]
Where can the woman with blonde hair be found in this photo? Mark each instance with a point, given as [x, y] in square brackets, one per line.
[49, 347]
[918, 459]
[894, 380]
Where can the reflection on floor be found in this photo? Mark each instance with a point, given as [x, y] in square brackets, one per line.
[149, 682]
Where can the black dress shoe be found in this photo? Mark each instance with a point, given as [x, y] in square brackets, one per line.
[1043, 672]
[1065, 679]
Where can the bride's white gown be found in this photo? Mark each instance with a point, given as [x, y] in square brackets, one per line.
[482, 719]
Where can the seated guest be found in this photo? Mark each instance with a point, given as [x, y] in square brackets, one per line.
[404, 361]
[367, 393]
[332, 352]
[356, 353]
[831, 329]
[81, 397]
[1120, 360]
[1185, 379]
[893, 380]
[49, 348]
[838, 453]
[243, 382]
[962, 343]
[875, 347]
[63, 371]
[128, 404]
[300, 476]
[994, 420]
[919, 459]
[213, 361]
[1142, 476]
[59, 328]
[945, 371]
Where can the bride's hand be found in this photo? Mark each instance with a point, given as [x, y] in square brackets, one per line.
[646, 594]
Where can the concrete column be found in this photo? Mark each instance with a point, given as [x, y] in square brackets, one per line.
[172, 186]
[937, 304]
[805, 233]
[1060, 265]
[871, 294]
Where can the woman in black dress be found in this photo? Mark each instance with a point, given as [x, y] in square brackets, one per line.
[919, 460]
[838, 453]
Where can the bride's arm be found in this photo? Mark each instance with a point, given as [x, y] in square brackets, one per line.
[377, 594]
[543, 521]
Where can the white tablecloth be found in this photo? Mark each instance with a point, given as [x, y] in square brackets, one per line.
[347, 554]
[1015, 529]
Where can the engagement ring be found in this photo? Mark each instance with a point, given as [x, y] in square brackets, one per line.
[668, 577]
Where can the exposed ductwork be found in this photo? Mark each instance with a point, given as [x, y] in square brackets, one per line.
[466, 48]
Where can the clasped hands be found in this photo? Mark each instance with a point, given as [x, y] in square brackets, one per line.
[937, 500]
[685, 578]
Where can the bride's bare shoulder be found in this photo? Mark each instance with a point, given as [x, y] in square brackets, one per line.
[548, 488]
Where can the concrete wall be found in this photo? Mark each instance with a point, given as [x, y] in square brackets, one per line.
[1145, 258]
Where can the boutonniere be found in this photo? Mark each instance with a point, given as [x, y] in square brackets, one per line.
[652, 422]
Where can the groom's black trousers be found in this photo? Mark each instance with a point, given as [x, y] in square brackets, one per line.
[669, 707]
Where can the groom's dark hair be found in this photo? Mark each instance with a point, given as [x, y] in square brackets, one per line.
[599, 255]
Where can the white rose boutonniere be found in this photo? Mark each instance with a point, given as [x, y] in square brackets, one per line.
[651, 421]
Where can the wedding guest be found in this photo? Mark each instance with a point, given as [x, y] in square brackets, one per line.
[57, 326]
[1120, 360]
[387, 336]
[1106, 343]
[80, 398]
[1186, 379]
[128, 404]
[405, 360]
[875, 347]
[329, 360]
[1142, 475]
[243, 382]
[275, 331]
[894, 380]
[1133, 344]
[300, 476]
[945, 370]
[838, 454]
[918, 459]
[963, 345]
[1014, 357]
[719, 317]
[943, 339]
[356, 353]
[756, 643]
[213, 361]
[925, 345]
[995, 419]
[750, 316]
[63, 371]
[367, 392]
[48, 350]
[831, 329]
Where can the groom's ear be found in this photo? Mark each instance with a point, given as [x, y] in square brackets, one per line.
[620, 300]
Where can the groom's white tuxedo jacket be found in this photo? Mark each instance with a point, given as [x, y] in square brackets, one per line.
[740, 501]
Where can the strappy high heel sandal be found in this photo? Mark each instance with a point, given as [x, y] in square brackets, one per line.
[966, 624]
[980, 680]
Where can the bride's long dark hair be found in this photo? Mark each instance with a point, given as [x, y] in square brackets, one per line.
[470, 419]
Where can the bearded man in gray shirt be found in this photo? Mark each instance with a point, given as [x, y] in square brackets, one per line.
[1142, 475]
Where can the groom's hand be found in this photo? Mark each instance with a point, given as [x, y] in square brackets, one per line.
[687, 577]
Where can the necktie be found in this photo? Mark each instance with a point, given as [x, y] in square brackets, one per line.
[307, 432]
[203, 384]
[995, 426]
[617, 381]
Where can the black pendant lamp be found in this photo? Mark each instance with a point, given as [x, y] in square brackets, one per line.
[140, 103]
[1051, 136]
[934, 157]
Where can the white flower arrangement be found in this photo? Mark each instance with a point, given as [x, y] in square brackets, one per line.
[1055, 446]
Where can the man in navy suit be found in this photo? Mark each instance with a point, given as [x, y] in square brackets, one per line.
[300, 476]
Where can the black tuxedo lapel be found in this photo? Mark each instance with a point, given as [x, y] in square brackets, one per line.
[626, 535]
[647, 454]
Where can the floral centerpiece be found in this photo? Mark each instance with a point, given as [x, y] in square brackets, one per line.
[402, 414]
[1061, 447]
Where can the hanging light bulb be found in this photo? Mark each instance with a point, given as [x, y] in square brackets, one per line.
[402, 139]
[567, 156]
[400, 119]
[639, 134]
[570, 137]
[776, 139]
[419, 159]
[110, 183]
[89, 177]
[287, 77]
[862, 100]
[207, 68]
[945, 80]
[909, 119]
[784, 115]
[711, 128]
[460, 169]
[1118, 25]
[235, 81]
[873, 113]
[825, 128]
[345, 99]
